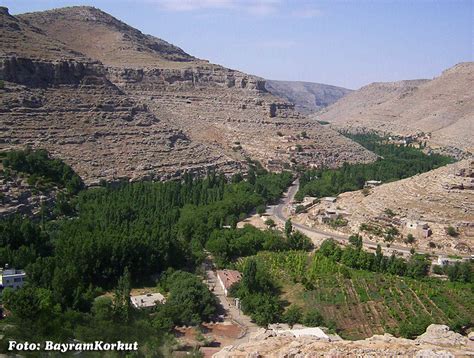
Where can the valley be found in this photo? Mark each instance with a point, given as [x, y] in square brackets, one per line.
[151, 196]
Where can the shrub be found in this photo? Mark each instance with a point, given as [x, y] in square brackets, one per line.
[410, 239]
[313, 318]
[270, 223]
[300, 209]
[451, 231]
[293, 315]
[389, 212]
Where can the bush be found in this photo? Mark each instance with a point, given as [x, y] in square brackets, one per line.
[293, 315]
[412, 329]
[300, 209]
[313, 318]
[389, 212]
[451, 231]
[261, 209]
[410, 239]
[270, 223]
[437, 269]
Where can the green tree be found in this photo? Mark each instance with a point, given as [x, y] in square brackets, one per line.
[293, 315]
[121, 302]
[288, 228]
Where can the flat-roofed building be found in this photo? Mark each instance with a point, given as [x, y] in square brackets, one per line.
[12, 278]
[148, 300]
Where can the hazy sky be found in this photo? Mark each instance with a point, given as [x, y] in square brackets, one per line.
[345, 43]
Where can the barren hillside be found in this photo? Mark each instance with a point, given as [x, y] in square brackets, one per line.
[307, 97]
[443, 107]
[441, 198]
[115, 103]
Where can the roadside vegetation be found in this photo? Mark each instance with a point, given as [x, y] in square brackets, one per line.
[395, 162]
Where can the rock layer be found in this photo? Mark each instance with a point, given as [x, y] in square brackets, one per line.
[117, 104]
[438, 341]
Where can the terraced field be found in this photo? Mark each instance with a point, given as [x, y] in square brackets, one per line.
[362, 303]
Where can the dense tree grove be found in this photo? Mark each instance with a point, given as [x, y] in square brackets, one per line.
[228, 245]
[395, 162]
[116, 235]
[43, 170]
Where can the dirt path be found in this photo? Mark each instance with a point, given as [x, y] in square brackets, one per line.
[231, 312]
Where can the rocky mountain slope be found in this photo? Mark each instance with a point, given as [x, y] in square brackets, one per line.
[437, 341]
[443, 107]
[307, 97]
[117, 104]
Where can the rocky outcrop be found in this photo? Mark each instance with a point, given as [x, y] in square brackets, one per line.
[39, 73]
[438, 341]
[167, 79]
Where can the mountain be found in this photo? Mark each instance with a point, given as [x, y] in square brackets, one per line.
[117, 104]
[307, 97]
[442, 107]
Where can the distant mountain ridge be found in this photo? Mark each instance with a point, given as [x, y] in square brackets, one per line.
[307, 97]
[442, 107]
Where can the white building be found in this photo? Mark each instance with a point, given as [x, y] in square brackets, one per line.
[329, 199]
[372, 183]
[148, 300]
[417, 228]
[12, 278]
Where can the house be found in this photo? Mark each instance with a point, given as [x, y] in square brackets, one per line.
[227, 278]
[372, 183]
[325, 216]
[12, 278]
[148, 300]
[417, 228]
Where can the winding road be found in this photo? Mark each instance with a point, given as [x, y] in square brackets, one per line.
[278, 211]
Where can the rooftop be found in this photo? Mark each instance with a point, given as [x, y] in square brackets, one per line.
[229, 277]
[148, 300]
[11, 272]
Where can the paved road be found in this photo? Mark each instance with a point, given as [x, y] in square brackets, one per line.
[280, 213]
